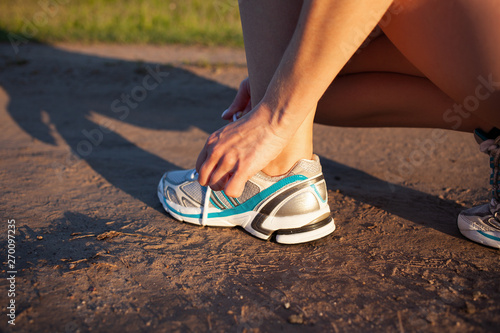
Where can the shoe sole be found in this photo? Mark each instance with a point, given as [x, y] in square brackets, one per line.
[487, 238]
[321, 223]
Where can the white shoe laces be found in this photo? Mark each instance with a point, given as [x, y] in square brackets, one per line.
[205, 205]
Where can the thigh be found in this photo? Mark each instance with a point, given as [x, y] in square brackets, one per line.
[379, 55]
[454, 43]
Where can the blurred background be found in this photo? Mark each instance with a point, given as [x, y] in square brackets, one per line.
[202, 22]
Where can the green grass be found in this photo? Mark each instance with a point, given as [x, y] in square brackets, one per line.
[206, 22]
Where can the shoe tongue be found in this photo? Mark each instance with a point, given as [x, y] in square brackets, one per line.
[308, 168]
[482, 136]
[494, 206]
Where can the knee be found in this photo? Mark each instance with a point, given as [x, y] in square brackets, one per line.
[483, 100]
[397, 7]
[487, 91]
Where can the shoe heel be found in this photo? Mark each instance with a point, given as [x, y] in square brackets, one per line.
[312, 231]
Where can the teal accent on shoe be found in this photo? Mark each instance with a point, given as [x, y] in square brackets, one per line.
[489, 236]
[219, 201]
[228, 200]
[316, 190]
[236, 199]
[480, 133]
[213, 203]
[248, 205]
[256, 199]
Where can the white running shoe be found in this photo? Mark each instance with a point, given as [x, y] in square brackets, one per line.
[481, 224]
[294, 207]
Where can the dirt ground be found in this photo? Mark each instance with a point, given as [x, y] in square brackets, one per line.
[86, 133]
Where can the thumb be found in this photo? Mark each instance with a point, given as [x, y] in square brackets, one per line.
[240, 103]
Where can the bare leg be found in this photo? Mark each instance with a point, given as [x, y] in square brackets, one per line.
[456, 44]
[268, 26]
[379, 87]
[411, 98]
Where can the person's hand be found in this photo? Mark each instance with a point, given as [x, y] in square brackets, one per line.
[241, 104]
[236, 152]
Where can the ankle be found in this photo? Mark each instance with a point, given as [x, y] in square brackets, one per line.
[283, 164]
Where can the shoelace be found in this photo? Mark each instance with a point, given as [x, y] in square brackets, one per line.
[205, 205]
[492, 148]
[206, 200]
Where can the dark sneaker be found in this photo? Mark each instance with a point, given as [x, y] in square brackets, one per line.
[481, 224]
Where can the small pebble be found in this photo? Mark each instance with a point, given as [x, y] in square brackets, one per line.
[476, 295]
[470, 308]
[296, 319]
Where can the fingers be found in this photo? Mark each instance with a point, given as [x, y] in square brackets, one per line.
[205, 171]
[236, 152]
[206, 162]
[233, 183]
[202, 156]
[240, 103]
[219, 184]
[236, 184]
[217, 178]
[248, 107]
[220, 172]
[214, 163]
